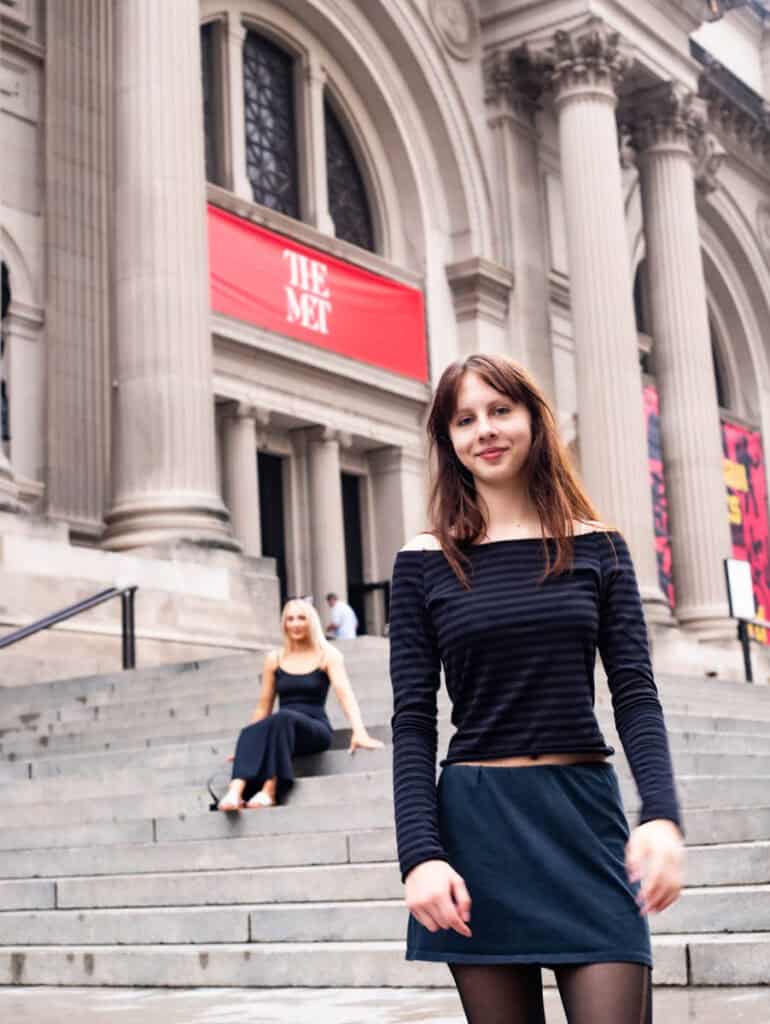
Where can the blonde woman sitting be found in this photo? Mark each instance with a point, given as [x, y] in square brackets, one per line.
[300, 674]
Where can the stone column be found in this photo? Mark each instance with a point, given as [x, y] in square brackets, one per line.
[668, 127]
[327, 530]
[398, 480]
[164, 463]
[239, 180]
[78, 129]
[585, 66]
[512, 93]
[240, 474]
[9, 492]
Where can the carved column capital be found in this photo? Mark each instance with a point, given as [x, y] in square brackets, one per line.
[667, 114]
[591, 57]
[513, 84]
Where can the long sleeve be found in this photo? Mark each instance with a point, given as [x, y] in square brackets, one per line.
[415, 677]
[624, 649]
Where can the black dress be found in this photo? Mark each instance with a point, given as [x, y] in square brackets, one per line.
[265, 749]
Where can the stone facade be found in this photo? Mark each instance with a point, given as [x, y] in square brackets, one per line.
[524, 165]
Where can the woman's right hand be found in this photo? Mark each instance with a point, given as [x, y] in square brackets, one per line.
[436, 895]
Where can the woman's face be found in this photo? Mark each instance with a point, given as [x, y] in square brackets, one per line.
[491, 433]
[297, 624]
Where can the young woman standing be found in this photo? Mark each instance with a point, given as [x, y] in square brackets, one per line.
[521, 856]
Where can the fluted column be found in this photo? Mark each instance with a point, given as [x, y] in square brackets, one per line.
[77, 315]
[327, 530]
[164, 463]
[668, 129]
[584, 68]
[241, 481]
[512, 92]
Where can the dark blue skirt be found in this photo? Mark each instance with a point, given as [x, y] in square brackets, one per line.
[542, 852]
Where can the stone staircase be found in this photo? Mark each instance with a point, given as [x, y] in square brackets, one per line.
[114, 872]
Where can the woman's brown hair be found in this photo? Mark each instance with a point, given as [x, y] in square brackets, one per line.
[454, 508]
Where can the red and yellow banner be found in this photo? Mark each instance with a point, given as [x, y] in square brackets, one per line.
[744, 471]
[658, 490]
[275, 283]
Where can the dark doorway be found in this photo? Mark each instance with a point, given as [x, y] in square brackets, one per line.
[270, 469]
[354, 549]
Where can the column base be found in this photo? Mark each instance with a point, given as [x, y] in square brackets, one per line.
[154, 520]
[657, 610]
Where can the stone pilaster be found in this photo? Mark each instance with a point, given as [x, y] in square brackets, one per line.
[327, 531]
[240, 474]
[77, 165]
[480, 289]
[668, 123]
[584, 67]
[398, 480]
[512, 90]
[164, 465]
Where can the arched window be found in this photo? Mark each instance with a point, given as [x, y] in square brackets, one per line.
[271, 148]
[348, 204]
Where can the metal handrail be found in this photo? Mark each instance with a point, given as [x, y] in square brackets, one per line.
[126, 595]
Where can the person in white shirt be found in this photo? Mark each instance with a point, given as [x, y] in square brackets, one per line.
[343, 622]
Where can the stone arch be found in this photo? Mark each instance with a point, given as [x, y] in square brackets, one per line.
[738, 290]
[423, 151]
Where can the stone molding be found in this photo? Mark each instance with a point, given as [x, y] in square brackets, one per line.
[323, 433]
[456, 26]
[733, 109]
[480, 288]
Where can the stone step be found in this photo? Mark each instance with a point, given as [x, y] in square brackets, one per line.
[345, 916]
[138, 781]
[274, 965]
[373, 695]
[328, 903]
[63, 738]
[372, 785]
[210, 753]
[705, 826]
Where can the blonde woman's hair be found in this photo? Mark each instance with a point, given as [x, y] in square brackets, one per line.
[317, 638]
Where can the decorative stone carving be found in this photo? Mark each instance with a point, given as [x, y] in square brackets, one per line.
[455, 22]
[589, 56]
[710, 154]
[511, 78]
[667, 113]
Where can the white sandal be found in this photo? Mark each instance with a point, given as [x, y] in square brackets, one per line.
[262, 799]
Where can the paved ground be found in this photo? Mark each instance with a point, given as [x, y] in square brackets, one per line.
[330, 1006]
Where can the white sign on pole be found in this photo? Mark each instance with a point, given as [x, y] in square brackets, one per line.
[740, 590]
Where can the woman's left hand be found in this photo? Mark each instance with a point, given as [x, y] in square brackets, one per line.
[655, 856]
[364, 741]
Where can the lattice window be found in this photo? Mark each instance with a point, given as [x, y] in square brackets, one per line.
[348, 204]
[271, 149]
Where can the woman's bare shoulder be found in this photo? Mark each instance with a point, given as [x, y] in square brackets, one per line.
[422, 542]
[588, 526]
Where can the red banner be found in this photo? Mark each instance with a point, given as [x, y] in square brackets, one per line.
[658, 488]
[744, 469]
[272, 282]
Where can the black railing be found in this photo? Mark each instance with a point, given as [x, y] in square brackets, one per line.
[126, 595]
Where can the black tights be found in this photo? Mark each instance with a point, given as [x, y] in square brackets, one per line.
[616, 993]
